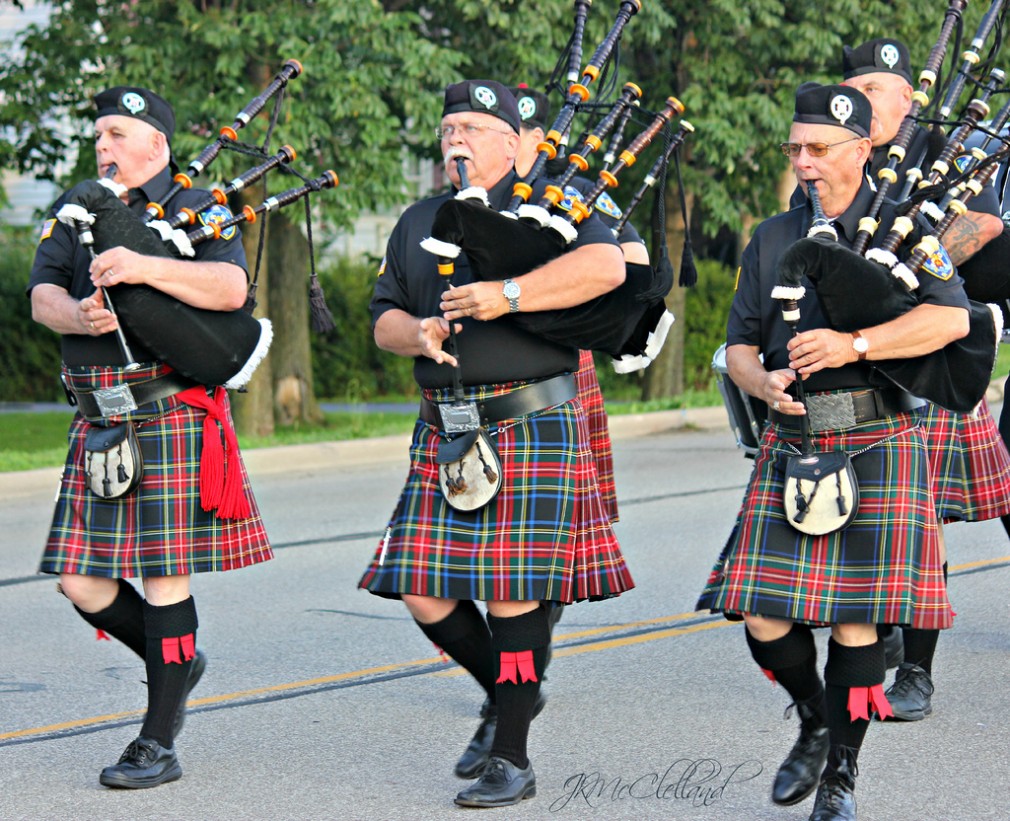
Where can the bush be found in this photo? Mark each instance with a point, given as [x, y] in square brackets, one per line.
[30, 353]
[705, 322]
[346, 363]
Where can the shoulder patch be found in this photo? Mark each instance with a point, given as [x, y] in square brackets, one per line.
[939, 265]
[382, 268]
[571, 195]
[218, 214]
[47, 230]
[605, 204]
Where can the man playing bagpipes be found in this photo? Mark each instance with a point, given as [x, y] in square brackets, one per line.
[969, 462]
[154, 486]
[502, 399]
[882, 567]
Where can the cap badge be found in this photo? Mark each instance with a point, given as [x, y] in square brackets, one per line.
[841, 108]
[133, 102]
[485, 96]
[889, 54]
[527, 107]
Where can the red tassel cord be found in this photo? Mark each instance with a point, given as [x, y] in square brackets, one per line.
[864, 700]
[220, 480]
[516, 666]
[177, 649]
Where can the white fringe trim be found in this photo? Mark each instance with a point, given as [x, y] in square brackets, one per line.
[241, 379]
[440, 248]
[653, 345]
[71, 214]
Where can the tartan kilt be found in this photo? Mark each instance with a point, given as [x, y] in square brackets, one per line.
[160, 529]
[591, 398]
[884, 568]
[969, 464]
[545, 536]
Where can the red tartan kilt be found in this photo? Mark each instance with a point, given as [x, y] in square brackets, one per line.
[969, 464]
[544, 537]
[160, 529]
[591, 398]
[884, 568]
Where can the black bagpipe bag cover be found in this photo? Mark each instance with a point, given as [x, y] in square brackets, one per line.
[499, 247]
[857, 293]
[208, 346]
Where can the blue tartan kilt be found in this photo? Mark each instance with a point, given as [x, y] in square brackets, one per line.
[545, 536]
[160, 529]
[884, 568]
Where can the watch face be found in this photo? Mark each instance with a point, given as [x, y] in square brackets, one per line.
[511, 290]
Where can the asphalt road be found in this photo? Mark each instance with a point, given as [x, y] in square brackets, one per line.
[324, 702]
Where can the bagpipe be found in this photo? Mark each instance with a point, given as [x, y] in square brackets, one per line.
[628, 323]
[211, 347]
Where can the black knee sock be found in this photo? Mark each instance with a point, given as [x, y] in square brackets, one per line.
[465, 638]
[792, 660]
[520, 652]
[171, 645]
[846, 668]
[123, 619]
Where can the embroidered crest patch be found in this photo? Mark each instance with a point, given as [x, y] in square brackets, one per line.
[939, 265]
[606, 205]
[218, 214]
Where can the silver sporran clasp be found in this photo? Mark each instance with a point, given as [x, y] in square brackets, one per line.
[115, 401]
[459, 417]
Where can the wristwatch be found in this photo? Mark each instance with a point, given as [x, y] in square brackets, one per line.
[510, 290]
[860, 345]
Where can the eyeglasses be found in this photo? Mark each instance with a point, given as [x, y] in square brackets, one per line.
[467, 129]
[813, 149]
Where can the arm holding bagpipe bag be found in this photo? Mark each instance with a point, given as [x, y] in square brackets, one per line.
[211, 347]
[856, 293]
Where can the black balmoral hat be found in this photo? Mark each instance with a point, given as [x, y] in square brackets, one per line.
[141, 103]
[534, 107]
[883, 54]
[833, 105]
[485, 97]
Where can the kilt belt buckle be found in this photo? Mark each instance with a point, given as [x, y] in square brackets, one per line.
[831, 411]
[116, 400]
[459, 417]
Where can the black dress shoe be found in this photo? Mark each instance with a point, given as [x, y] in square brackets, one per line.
[144, 763]
[478, 751]
[501, 784]
[195, 673]
[910, 695]
[800, 772]
[835, 800]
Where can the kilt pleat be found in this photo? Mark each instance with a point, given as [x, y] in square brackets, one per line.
[545, 536]
[884, 568]
[969, 464]
[160, 529]
[591, 398]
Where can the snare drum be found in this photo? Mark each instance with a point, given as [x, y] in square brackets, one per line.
[747, 415]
